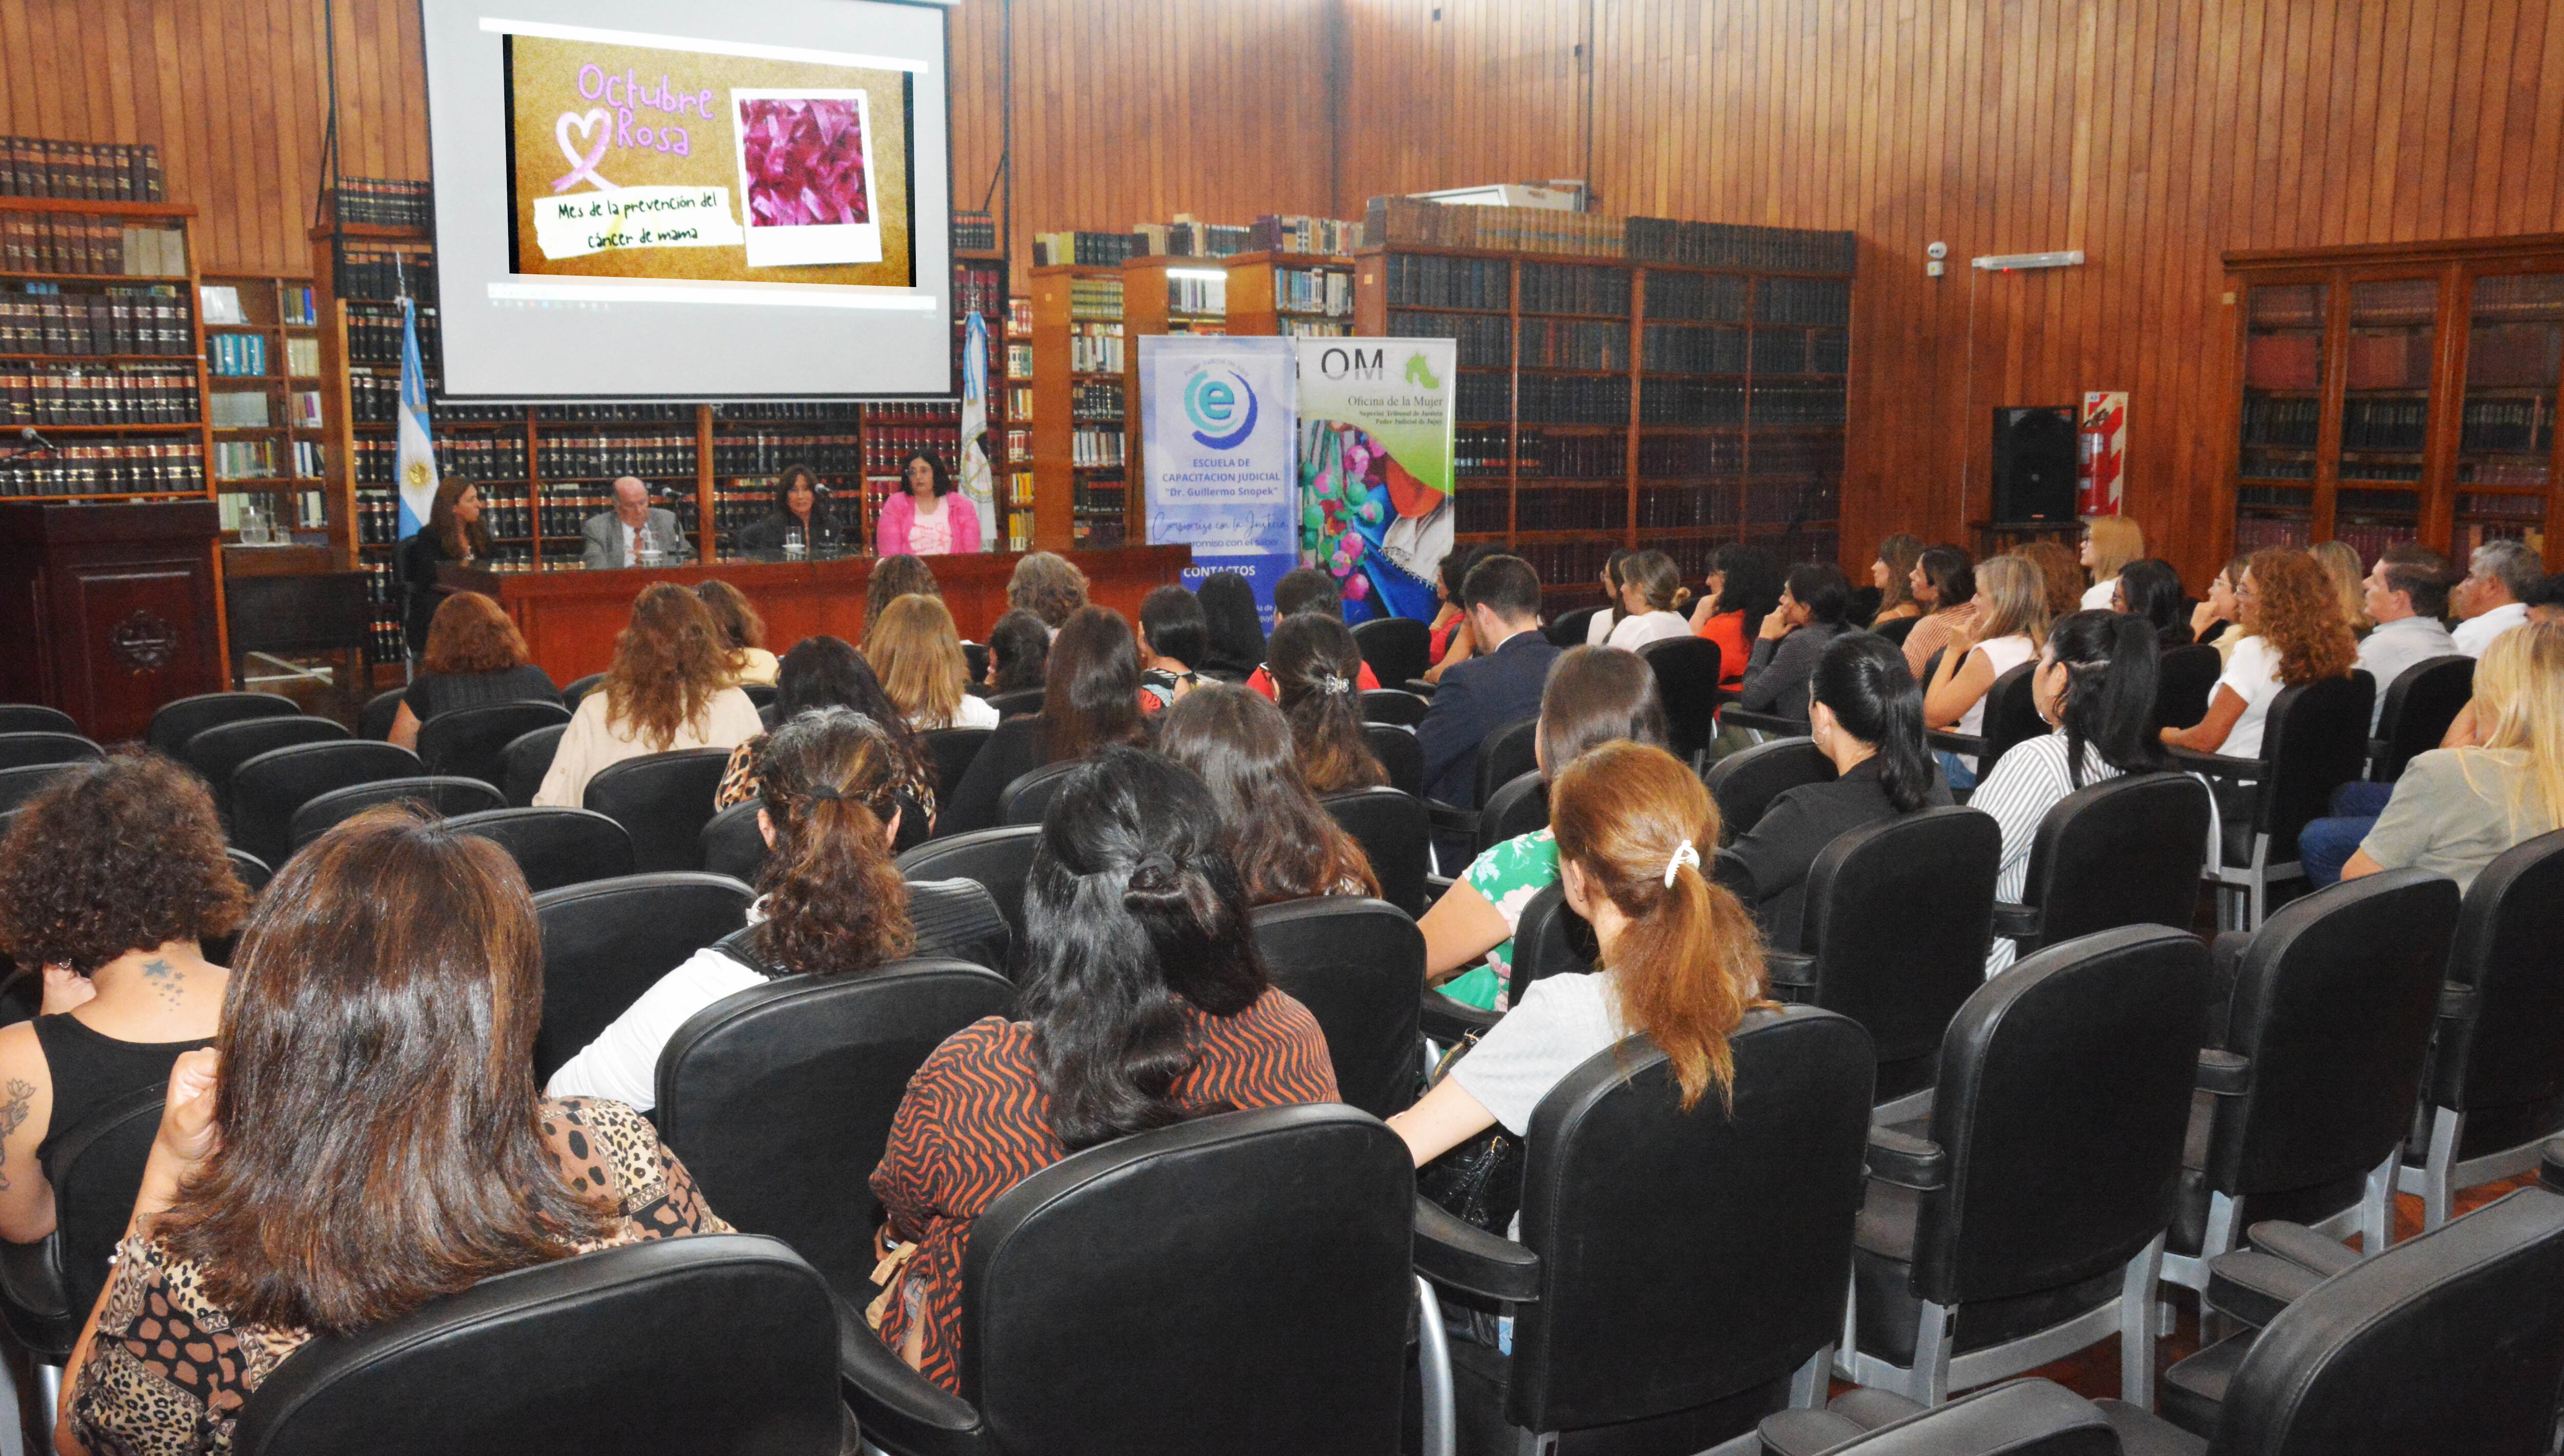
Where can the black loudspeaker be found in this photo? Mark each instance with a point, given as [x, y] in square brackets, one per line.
[2035, 458]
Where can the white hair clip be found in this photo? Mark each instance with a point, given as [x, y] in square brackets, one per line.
[1684, 855]
[1332, 684]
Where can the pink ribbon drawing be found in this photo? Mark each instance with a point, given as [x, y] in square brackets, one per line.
[583, 168]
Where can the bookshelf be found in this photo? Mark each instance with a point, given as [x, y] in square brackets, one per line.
[1080, 358]
[2398, 394]
[1016, 358]
[1308, 295]
[263, 411]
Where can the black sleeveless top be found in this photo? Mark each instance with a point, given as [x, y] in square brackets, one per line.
[91, 1069]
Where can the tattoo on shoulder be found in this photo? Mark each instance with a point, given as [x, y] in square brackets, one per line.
[13, 1114]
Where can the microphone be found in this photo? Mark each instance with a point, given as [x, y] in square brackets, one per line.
[34, 440]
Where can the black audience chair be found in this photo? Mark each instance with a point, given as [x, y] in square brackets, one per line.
[374, 721]
[1550, 938]
[1680, 1274]
[266, 790]
[1896, 631]
[769, 716]
[249, 869]
[219, 750]
[663, 800]
[1393, 705]
[17, 786]
[1978, 1257]
[998, 859]
[174, 723]
[580, 688]
[1400, 755]
[1896, 924]
[26, 750]
[2494, 1087]
[952, 751]
[554, 847]
[1018, 704]
[35, 718]
[473, 741]
[1395, 648]
[2418, 707]
[1688, 670]
[2310, 1089]
[974, 661]
[724, 1344]
[1520, 806]
[1358, 966]
[764, 695]
[101, 1165]
[1506, 753]
[2314, 740]
[1745, 782]
[439, 794]
[780, 1100]
[1569, 628]
[608, 940]
[1395, 835]
[525, 761]
[733, 845]
[2011, 716]
[1028, 798]
[2123, 852]
[1270, 1319]
[2185, 679]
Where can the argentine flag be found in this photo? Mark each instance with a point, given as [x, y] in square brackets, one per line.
[979, 483]
[414, 465]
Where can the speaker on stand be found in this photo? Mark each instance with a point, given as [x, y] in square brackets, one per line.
[2034, 458]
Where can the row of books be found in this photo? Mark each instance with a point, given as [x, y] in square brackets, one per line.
[382, 202]
[2287, 422]
[286, 510]
[2261, 465]
[1395, 220]
[1677, 401]
[1700, 298]
[1569, 344]
[1197, 295]
[480, 457]
[887, 447]
[1569, 399]
[1299, 233]
[1582, 509]
[238, 409]
[1018, 362]
[222, 305]
[109, 171]
[1482, 396]
[1189, 237]
[1430, 281]
[2288, 305]
[1802, 350]
[2389, 503]
[1675, 349]
[1675, 508]
[237, 355]
[976, 231]
[1559, 288]
[1481, 450]
[2384, 424]
[2507, 424]
[1326, 291]
[1572, 457]
[1095, 399]
[33, 396]
[310, 459]
[1482, 512]
[1799, 404]
[1103, 250]
[1095, 349]
[2273, 532]
[2392, 303]
[2503, 507]
[1315, 327]
[240, 460]
[1019, 401]
[303, 359]
[386, 275]
[1101, 495]
[2502, 472]
[1095, 447]
[1734, 245]
[604, 457]
[107, 466]
[1803, 454]
[374, 339]
[759, 411]
[1484, 340]
[377, 518]
[386, 641]
[835, 457]
[41, 321]
[2518, 295]
[979, 288]
[1816, 301]
[1566, 563]
[562, 513]
[2379, 470]
[72, 242]
[374, 399]
[1019, 444]
[1098, 299]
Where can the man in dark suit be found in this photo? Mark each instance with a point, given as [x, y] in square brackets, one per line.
[1499, 686]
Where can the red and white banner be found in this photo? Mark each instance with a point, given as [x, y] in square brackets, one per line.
[2104, 456]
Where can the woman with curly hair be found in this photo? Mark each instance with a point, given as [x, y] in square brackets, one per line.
[110, 880]
[2293, 633]
[1047, 586]
[830, 900]
[1284, 843]
[671, 687]
[741, 627]
[475, 656]
[1314, 665]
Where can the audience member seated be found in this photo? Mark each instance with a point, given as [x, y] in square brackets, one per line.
[2406, 595]
[1049, 587]
[1146, 1003]
[2110, 542]
[2218, 620]
[1447, 641]
[1596, 696]
[923, 518]
[1090, 701]
[802, 517]
[2149, 587]
[1795, 634]
[830, 900]
[2501, 576]
[2548, 606]
[1866, 716]
[1237, 626]
[364, 1137]
[1500, 686]
[2340, 560]
[2014, 603]
[2457, 808]
[634, 528]
[1741, 588]
[1310, 662]
[1284, 843]
[2293, 633]
[1943, 583]
[1652, 598]
[475, 656]
[1018, 654]
[1307, 591]
[2095, 686]
[1615, 610]
[741, 628]
[110, 880]
[454, 532]
[1173, 635]
[894, 577]
[1892, 575]
[822, 673]
[2059, 578]
[1681, 961]
[669, 687]
[919, 658]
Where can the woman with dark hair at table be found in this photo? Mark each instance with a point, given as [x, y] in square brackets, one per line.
[925, 518]
[454, 532]
[1090, 701]
[802, 516]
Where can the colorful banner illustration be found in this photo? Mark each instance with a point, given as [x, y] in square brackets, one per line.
[1375, 467]
[1216, 439]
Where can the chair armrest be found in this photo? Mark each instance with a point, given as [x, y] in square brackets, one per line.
[2018, 1415]
[2225, 1073]
[899, 1410]
[1445, 816]
[1949, 740]
[1906, 1161]
[1438, 886]
[2457, 1003]
[2255, 1287]
[2016, 921]
[2219, 766]
[1420, 688]
[2302, 1246]
[31, 1278]
[1762, 722]
[1463, 1256]
[1791, 968]
[2550, 1165]
[1452, 1022]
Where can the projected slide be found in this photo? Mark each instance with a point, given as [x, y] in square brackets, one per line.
[664, 162]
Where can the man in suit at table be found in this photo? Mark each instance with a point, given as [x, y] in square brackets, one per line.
[617, 537]
[1500, 685]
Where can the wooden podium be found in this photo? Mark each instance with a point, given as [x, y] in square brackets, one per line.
[108, 611]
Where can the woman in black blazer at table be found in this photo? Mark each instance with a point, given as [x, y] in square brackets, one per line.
[799, 506]
[454, 532]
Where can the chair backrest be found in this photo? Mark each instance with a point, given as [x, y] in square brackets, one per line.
[1025, 800]
[1268, 1321]
[1520, 806]
[219, 750]
[374, 721]
[779, 1098]
[1550, 938]
[2012, 715]
[1505, 754]
[441, 794]
[2332, 1003]
[2417, 710]
[1396, 649]
[1400, 755]
[473, 741]
[1016, 704]
[2509, 949]
[1648, 1218]
[607, 941]
[174, 723]
[2315, 740]
[35, 718]
[2081, 1057]
[1358, 966]
[2183, 680]
[1396, 833]
[1899, 916]
[525, 761]
[732, 843]
[579, 688]
[953, 749]
[1896, 631]
[2123, 852]
[17, 786]
[554, 847]
[99, 1163]
[1688, 670]
[1747, 781]
[36, 746]
[719, 1343]
[998, 859]
[1393, 705]
[267, 789]
[763, 695]
[249, 869]
[1569, 628]
[2449, 1341]
[663, 800]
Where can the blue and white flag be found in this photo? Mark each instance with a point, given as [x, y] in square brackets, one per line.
[414, 465]
[978, 482]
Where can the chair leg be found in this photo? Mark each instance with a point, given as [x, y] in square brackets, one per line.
[2438, 1173]
[2136, 1327]
[2377, 1207]
[1807, 1384]
[1928, 1383]
[1434, 1364]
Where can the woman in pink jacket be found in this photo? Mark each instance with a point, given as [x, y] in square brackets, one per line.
[926, 518]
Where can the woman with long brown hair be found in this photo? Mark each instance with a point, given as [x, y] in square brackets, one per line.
[918, 654]
[826, 672]
[1090, 701]
[894, 577]
[1682, 960]
[2293, 633]
[1314, 665]
[1285, 844]
[454, 532]
[1891, 574]
[741, 627]
[475, 656]
[671, 687]
[364, 1137]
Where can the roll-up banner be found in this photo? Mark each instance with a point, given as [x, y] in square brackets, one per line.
[1375, 467]
[1216, 454]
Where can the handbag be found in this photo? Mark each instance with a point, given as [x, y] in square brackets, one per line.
[1479, 1181]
